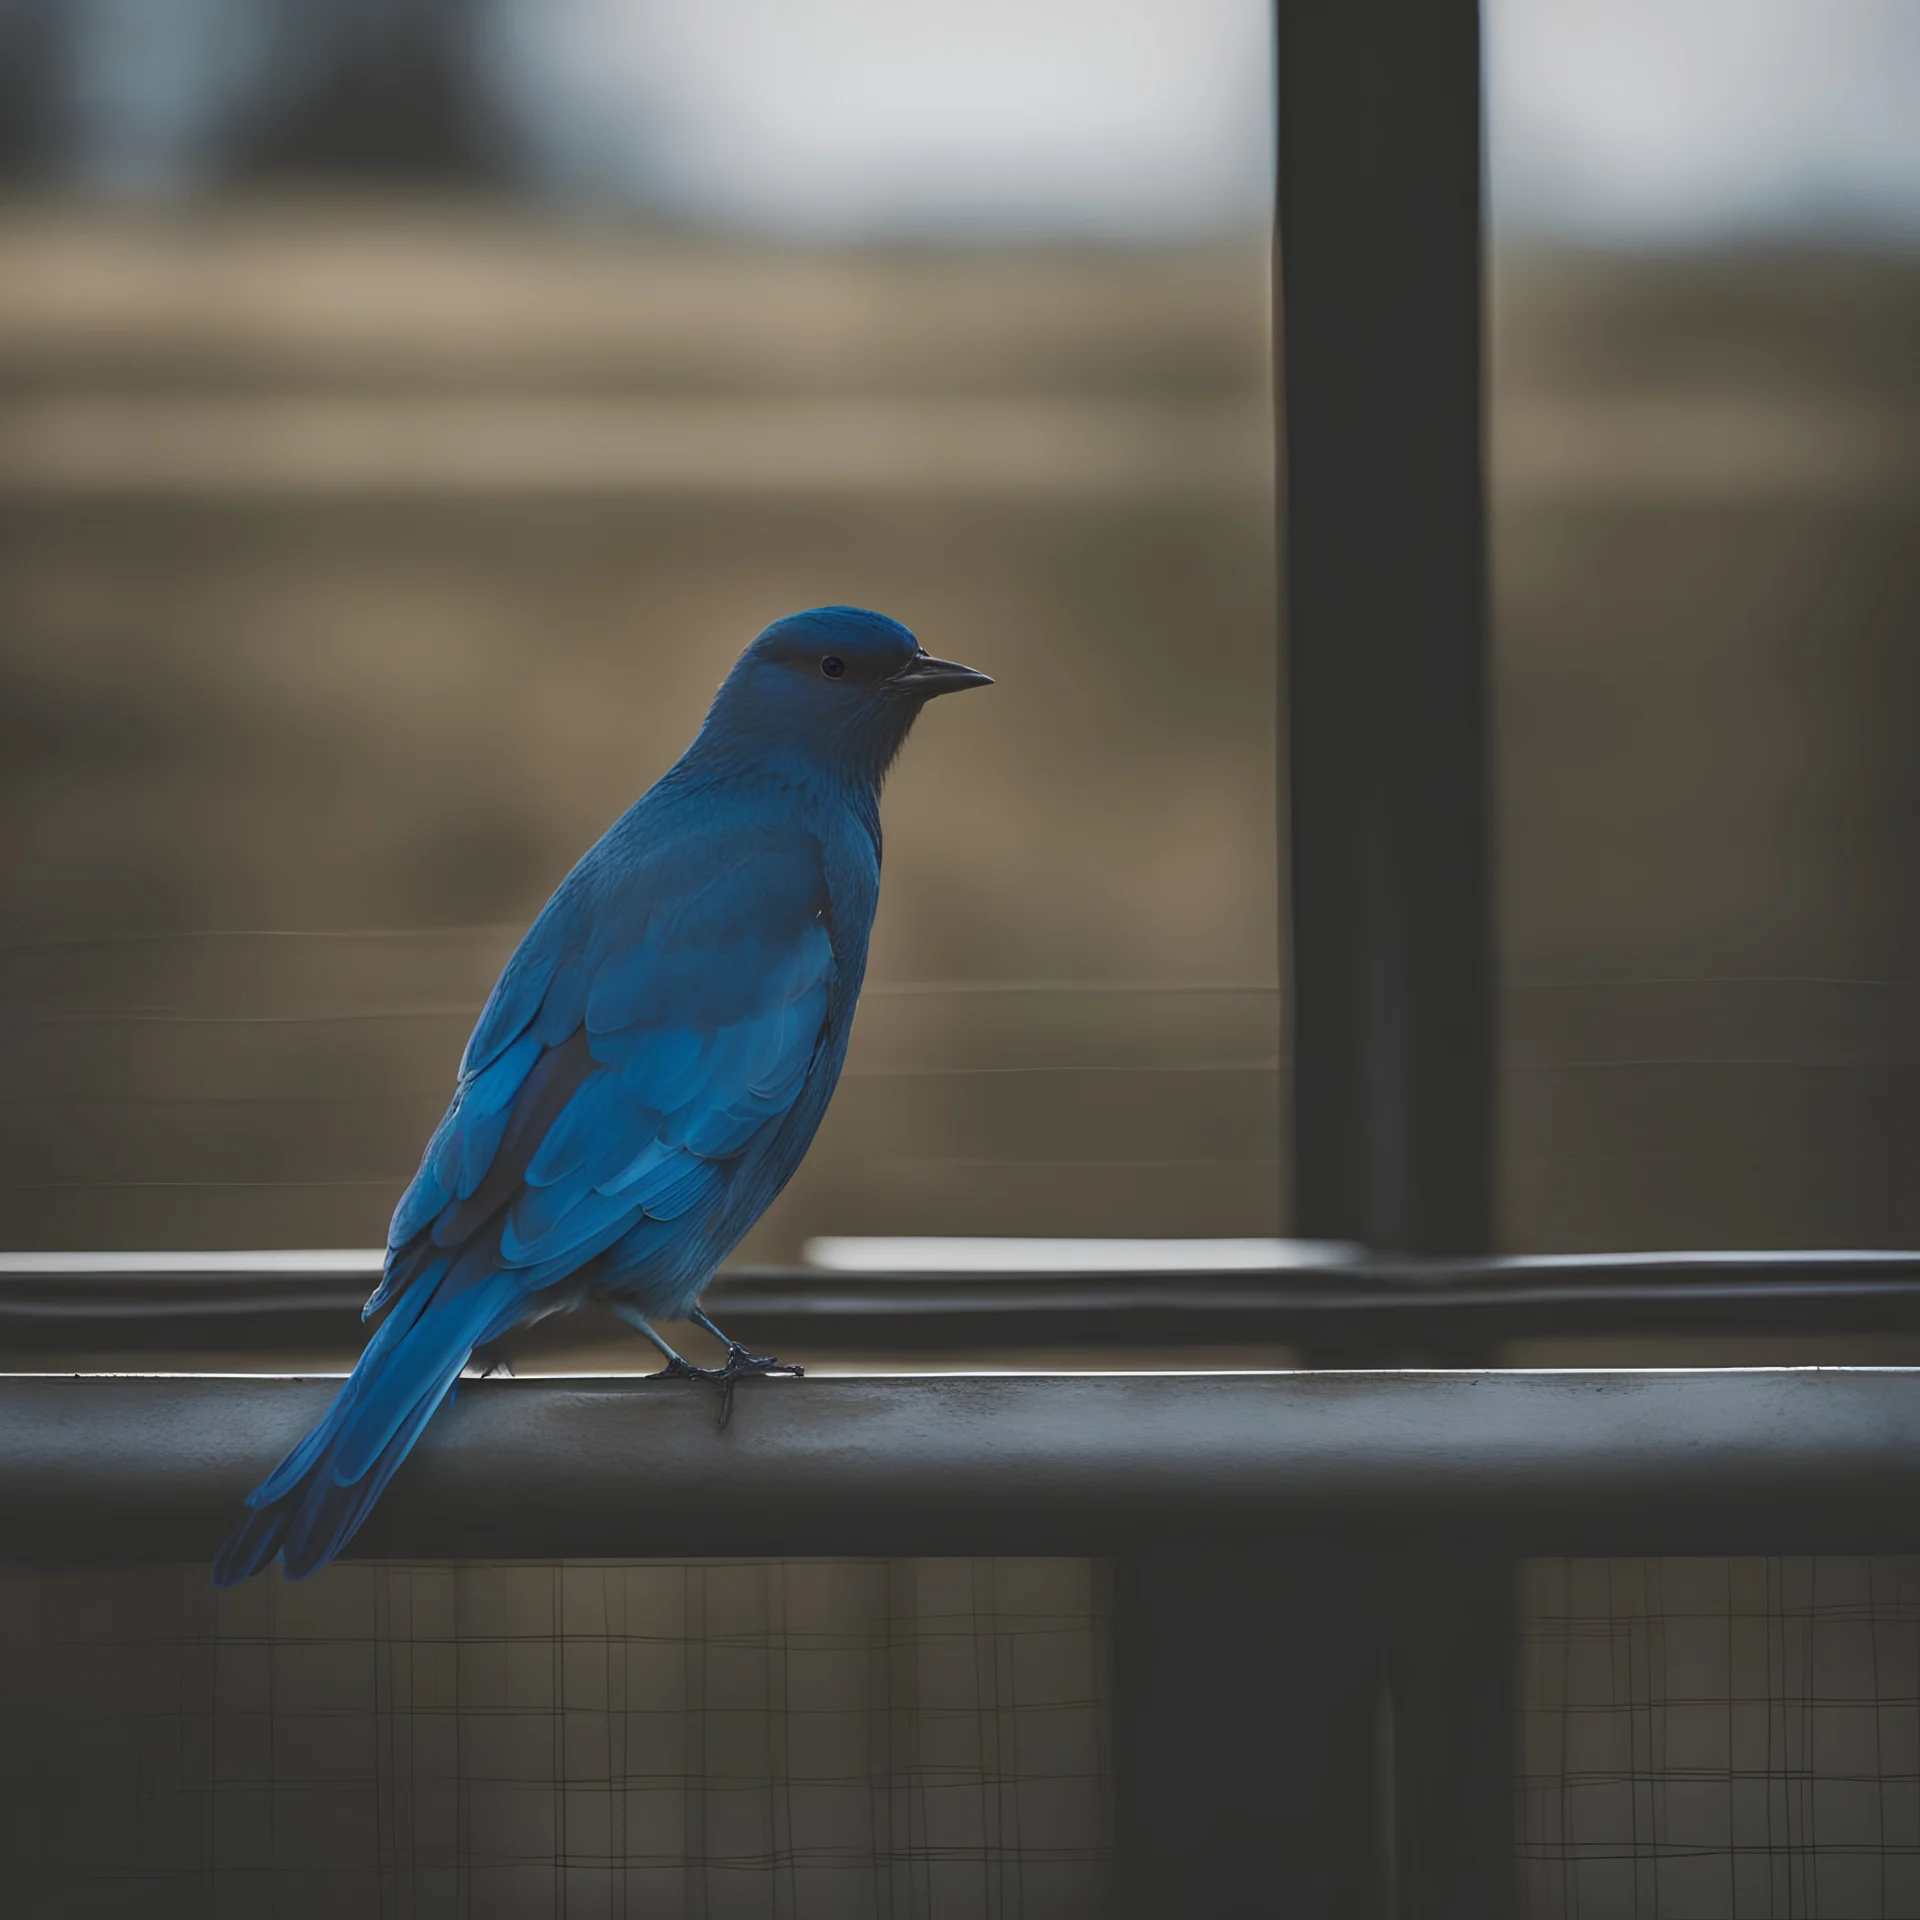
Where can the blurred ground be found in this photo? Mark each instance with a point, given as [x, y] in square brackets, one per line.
[1707, 555]
[360, 568]
[356, 568]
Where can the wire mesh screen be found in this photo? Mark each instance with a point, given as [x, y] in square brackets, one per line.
[786, 1739]
[1726, 1739]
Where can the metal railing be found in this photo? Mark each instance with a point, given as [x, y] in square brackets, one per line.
[1774, 1460]
[1341, 1312]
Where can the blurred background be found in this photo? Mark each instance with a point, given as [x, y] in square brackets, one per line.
[408, 409]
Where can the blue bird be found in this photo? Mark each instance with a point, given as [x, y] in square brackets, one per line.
[649, 1068]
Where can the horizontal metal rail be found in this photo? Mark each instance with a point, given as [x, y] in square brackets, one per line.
[135, 1467]
[1342, 1310]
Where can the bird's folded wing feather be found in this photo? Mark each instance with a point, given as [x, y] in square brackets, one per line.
[634, 1049]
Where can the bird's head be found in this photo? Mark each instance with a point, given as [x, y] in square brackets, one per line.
[836, 687]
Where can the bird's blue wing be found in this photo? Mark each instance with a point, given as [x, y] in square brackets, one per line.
[616, 1081]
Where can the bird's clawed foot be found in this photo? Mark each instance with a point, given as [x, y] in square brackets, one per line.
[740, 1365]
[678, 1369]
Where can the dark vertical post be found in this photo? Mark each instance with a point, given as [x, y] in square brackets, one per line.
[1379, 311]
[1453, 1760]
[1312, 1729]
[1379, 305]
[1247, 1767]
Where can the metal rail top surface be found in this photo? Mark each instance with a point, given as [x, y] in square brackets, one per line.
[1768, 1460]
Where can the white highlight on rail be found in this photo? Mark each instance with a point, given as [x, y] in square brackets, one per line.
[881, 1253]
[340, 1262]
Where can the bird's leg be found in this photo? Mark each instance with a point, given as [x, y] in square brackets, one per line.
[741, 1363]
[676, 1368]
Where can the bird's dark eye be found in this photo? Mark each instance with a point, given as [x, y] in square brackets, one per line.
[833, 666]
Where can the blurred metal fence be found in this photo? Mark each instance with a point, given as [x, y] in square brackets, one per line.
[1720, 1739]
[780, 1738]
[1701, 1739]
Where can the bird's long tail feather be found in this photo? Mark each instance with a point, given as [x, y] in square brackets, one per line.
[314, 1501]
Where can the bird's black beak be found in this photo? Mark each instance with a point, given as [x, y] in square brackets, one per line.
[926, 676]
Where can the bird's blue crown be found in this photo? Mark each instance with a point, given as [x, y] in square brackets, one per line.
[869, 645]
